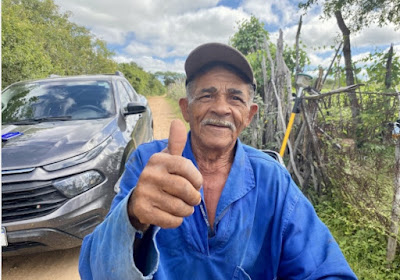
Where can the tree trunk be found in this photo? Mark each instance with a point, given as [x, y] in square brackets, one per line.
[297, 69]
[388, 77]
[269, 108]
[355, 107]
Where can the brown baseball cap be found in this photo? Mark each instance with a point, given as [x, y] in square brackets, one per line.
[209, 53]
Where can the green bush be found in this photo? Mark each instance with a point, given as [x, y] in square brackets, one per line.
[362, 240]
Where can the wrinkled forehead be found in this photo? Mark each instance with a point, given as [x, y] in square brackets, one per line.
[215, 66]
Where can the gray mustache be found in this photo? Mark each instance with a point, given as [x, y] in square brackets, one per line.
[219, 123]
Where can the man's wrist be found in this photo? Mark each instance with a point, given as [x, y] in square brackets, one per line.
[137, 224]
[133, 219]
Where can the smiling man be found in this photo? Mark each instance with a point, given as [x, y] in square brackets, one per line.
[206, 206]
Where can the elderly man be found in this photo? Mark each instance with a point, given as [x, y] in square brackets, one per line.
[205, 206]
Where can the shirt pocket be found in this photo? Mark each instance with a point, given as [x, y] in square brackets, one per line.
[240, 274]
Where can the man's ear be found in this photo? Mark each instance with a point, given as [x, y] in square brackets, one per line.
[253, 110]
[184, 104]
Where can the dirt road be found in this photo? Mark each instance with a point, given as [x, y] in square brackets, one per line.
[63, 265]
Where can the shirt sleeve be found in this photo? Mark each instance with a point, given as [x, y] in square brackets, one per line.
[107, 253]
[309, 250]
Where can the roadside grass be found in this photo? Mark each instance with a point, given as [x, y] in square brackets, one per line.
[175, 92]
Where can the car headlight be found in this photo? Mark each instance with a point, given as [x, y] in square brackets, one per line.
[74, 185]
[79, 158]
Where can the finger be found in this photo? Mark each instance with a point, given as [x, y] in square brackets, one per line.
[181, 188]
[177, 138]
[165, 220]
[177, 166]
[186, 169]
[161, 218]
[172, 205]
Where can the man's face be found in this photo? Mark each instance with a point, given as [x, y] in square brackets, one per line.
[218, 110]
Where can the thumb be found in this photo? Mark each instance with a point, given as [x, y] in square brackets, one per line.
[177, 138]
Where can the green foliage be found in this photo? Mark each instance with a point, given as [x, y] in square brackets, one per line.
[143, 82]
[361, 239]
[356, 206]
[360, 13]
[289, 55]
[250, 32]
[249, 39]
[169, 77]
[38, 40]
[177, 90]
[376, 69]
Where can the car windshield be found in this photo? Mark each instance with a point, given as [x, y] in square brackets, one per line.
[24, 103]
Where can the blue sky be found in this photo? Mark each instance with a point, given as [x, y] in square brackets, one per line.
[159, 34]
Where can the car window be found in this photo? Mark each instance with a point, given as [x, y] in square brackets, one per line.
[76, 99]
[123, 95]
[131, 91]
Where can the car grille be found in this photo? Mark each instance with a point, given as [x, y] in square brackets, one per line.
[22, 201]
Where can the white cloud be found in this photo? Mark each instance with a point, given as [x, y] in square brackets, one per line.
[377, 36]
[155, 32]
[314, 33]
[153, 64]
[273, 12]
[360, 56]
[159, 28]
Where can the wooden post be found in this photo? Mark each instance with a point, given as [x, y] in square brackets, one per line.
[394, 221]
[281, 117]
[309, 121]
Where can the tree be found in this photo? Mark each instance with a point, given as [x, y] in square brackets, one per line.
[38, 40]
[249, 40]
[169, 77]
[383, 69]
[360, 13]
[249, 34]
[336, 7]
[355, 106]
[143, 82]
[23, 56]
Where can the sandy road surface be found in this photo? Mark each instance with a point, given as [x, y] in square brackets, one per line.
[63, 265]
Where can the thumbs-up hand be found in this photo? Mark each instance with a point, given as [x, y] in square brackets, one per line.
[168, 187]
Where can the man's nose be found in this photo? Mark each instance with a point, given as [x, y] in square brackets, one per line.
[221, 106]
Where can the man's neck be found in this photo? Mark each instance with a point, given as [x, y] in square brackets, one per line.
[214, 166]
[213, 162]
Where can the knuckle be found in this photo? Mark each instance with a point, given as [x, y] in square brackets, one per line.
[176, 222]
[188, 211]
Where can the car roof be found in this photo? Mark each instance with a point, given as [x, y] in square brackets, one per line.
[77, 77]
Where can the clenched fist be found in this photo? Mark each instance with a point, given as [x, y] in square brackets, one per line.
[168, 188]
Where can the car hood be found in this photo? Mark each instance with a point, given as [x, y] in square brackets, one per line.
[50, 142]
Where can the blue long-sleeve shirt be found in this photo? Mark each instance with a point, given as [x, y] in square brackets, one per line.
[264, 229]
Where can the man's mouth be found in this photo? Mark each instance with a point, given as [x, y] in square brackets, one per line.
[219, 123]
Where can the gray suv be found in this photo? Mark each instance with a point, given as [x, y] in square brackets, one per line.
[65, 141]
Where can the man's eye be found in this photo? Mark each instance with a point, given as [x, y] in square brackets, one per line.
[205, 96]
[236, 98]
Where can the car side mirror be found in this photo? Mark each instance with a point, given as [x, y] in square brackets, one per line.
[134, 108]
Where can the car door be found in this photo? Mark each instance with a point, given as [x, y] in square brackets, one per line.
[144, 123]
[130, 120]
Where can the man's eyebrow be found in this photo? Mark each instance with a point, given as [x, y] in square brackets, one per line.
[235, 91]
[209, 90]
